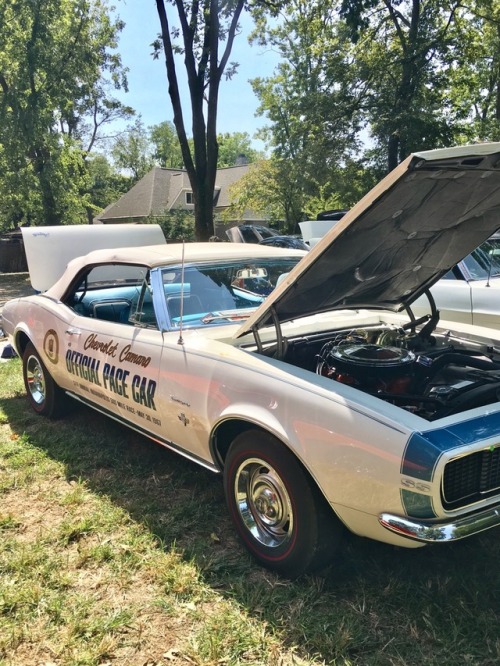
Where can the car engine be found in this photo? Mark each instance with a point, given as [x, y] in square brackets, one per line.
[431, 375]
[412, 373]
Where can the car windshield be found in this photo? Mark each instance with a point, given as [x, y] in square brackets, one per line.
[222, 292]
[484, 261]
[249, 233]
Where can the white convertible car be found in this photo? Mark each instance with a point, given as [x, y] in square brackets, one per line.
[304, 379]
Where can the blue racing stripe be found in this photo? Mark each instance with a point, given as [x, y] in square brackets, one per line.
[424, 449]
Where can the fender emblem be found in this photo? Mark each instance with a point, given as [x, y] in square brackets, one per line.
[183, 419]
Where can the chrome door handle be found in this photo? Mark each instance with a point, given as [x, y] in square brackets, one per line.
[73, 331]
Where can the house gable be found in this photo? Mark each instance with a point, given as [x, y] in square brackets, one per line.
[163, 190]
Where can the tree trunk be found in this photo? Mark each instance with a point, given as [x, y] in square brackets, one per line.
[203, 78]
[393, 152]
[413, 58]
[203, 196]
[51, 216]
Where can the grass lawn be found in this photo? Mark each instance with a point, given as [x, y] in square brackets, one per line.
[114, 551]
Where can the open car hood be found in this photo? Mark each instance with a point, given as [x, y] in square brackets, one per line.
[49, 249]
[405, 234]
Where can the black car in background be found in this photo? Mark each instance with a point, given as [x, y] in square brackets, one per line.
[294, 242]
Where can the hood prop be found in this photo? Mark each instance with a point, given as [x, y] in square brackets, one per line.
[277, 350]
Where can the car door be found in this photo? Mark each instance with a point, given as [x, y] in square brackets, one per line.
[113, 345]
[115, 366]
[453, 299]
[486, 302]
[123, 365]
[482, 270]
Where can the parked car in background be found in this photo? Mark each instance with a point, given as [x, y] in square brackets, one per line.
[325, 403]
[333, 214]
[250, 233]
[470, 291]
[254, 233]
[286, 241]
[313, 230]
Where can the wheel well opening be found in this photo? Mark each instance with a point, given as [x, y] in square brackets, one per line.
[224, 435]
[227, 431]
[22, 341]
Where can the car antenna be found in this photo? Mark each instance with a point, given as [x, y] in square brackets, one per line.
[180, 341]
[490, 268]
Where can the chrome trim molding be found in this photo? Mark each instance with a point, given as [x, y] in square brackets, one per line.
[441, 532]
[146, 433]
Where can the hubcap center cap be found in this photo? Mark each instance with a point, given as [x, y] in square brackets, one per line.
[267, 502]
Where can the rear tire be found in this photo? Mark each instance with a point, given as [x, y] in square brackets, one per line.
[44, 395]
[279, 513]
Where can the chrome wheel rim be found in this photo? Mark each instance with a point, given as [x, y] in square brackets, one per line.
[35, 380]
[263, 503]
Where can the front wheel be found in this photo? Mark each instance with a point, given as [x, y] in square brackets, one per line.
[277, 509]
[44, 395]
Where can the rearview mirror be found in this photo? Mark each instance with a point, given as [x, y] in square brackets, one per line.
[246, 273]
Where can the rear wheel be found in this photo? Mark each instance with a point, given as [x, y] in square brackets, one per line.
[277, 509]
[44, 396]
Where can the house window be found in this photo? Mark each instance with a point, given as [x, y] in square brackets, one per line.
[189, 198]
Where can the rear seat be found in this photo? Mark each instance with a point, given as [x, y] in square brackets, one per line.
[112, 310]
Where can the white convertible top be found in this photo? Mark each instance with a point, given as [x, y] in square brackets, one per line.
[163, 255]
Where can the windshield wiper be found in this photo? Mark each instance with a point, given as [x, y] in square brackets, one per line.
[232, 315]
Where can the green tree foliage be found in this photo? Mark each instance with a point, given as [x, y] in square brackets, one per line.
[106, 184]
[315, 102]
[207, 30]
[232, 146]
[363, 83]
[265, 190]
[236, 147]
[272, 188]
[403, 46]
[166, 147]
[474, 72]
[177, 225]
[131, 151]
[56, 67]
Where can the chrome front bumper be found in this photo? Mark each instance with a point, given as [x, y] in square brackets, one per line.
[441, 532]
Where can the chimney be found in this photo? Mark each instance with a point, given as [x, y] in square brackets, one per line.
[241, 160]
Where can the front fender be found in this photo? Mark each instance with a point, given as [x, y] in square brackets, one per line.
[251, 415]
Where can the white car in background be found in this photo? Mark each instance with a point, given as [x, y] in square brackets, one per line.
[470, 291]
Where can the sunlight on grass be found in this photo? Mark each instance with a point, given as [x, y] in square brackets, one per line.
[228, 635]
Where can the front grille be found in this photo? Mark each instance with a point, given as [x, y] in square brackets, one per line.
[471, 478]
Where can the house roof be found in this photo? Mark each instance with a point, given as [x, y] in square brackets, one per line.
[152, 195]
[223, 181]
[162, 189]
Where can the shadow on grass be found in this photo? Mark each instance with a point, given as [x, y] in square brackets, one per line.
[375, 605]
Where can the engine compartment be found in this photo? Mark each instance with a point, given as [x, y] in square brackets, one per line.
[428, 373]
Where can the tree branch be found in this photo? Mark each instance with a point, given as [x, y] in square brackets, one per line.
[3, 84]
[173, 89]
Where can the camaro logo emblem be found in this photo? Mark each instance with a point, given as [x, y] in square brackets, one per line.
[51, 346]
